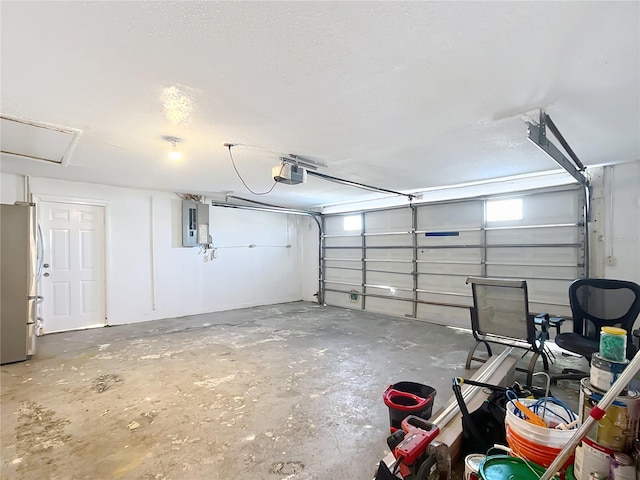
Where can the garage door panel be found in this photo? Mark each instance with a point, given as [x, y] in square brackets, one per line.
[472, 255]
[391, 254]
[341, 300]
[390, 267]
[444, 283]
[346, 254]
[390, 292]
[389, 240]
[388, 221]
[533, 235]
[342, 275]
[545, 209]
[450, 216]
[343, 286]
[396, 308]
[355, 263]
[535, 256]
[391, 279]
[531, 272]
[464, 269]
[334, 225]
[462, 238]
[548, 291]
[549, 208]
[451, 316]
[463, 301]
[554, 311]
[343, 241]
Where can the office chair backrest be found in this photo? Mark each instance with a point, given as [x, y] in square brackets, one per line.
[599, 302]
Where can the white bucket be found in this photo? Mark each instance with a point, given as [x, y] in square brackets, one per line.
[549, 437]
[472, 464]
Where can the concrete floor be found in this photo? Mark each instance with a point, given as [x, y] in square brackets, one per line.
[290, 391]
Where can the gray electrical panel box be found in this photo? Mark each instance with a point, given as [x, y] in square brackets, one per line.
[195, 223]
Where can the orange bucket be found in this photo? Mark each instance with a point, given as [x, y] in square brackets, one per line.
[529, 449]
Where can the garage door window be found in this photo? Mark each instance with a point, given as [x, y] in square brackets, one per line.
[353, 223]
[504, 210]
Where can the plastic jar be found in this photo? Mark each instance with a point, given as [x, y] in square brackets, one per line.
[613, 344]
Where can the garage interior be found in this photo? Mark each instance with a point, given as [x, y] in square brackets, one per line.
[255, 217]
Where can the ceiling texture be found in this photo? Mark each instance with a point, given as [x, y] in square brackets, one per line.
[405, 96]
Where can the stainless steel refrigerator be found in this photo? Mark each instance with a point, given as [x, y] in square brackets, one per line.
[18, 278]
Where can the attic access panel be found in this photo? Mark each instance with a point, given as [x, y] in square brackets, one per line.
[39, 141]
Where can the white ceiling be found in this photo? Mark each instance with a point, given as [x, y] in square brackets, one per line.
[401, 95]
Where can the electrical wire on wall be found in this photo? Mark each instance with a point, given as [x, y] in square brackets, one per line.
[245, 183]
[208, 251]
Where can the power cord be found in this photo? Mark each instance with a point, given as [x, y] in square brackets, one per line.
[242, 179]
[571, 417]
[538, 406]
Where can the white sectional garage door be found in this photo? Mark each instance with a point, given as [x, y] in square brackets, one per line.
[414, 261]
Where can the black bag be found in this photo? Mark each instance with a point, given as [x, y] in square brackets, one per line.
[485, 426]
[384, 473]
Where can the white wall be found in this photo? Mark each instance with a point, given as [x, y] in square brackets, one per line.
[309, 239]
[11, 188]
[150, 275]
[621, 236]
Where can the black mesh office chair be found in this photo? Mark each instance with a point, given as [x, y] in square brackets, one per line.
[597, 303]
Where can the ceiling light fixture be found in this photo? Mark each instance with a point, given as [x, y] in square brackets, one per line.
[174, 154]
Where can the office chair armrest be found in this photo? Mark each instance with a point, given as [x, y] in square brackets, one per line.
[542, 335]
[556, 322]
[545, 321]
[542, 319]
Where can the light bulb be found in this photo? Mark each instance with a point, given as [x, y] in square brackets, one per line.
[174, 154]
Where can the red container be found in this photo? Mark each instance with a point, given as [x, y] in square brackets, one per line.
[408, 398]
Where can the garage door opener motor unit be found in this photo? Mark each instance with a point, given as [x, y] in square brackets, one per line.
[289, 173]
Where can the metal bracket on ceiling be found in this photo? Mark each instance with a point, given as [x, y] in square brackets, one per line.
[307, 163]
[538, 135]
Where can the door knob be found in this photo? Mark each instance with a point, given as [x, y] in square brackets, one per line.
[46, 274]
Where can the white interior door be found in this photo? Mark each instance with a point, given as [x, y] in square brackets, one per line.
[73, 281]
